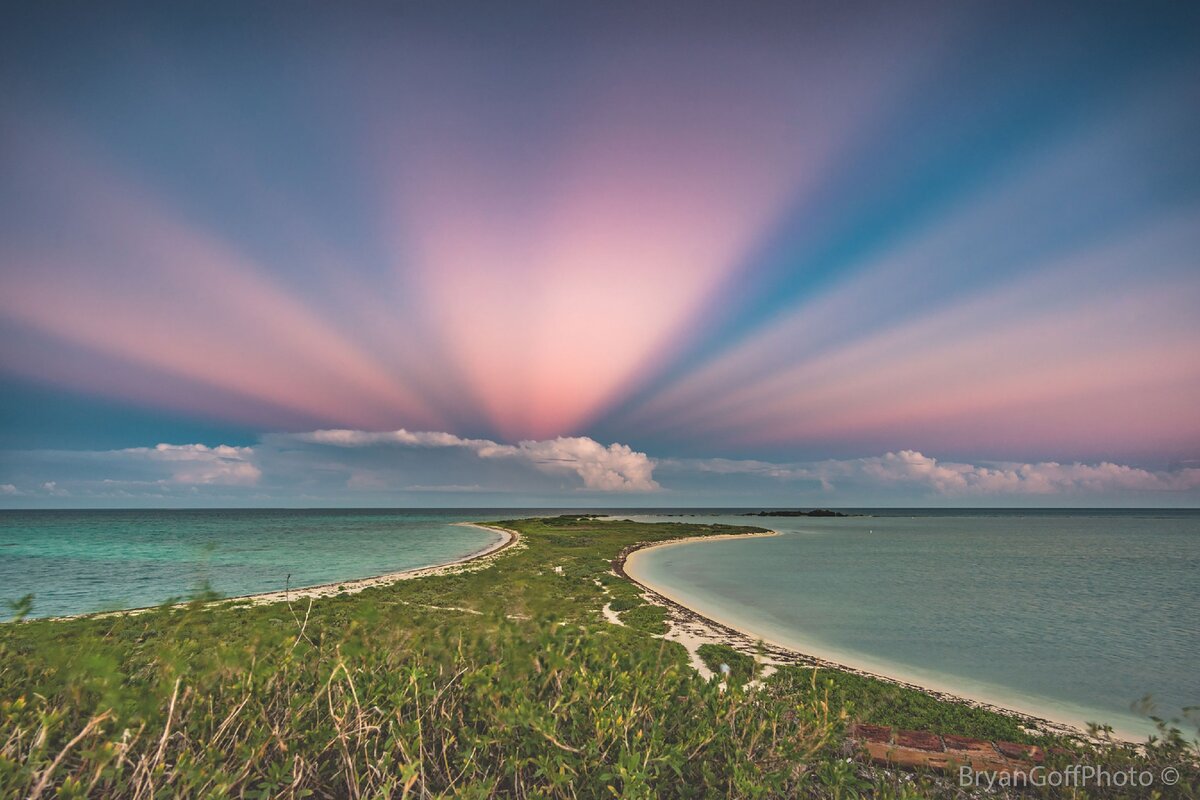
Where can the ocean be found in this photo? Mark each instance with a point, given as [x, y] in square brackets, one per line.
[78, 562]
[1072, 615]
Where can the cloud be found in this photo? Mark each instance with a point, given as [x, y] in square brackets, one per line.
[333, 466]
[1047, 477]
[199, 464]
[351, 438]
[615, 468]
[401, 467]
[913, 470]
[147, 471]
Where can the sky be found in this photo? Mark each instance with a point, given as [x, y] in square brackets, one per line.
[623, 254]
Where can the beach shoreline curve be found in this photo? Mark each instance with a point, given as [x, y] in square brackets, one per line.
[478, 559]
[693, 627]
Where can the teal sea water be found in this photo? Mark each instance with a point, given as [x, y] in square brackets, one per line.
[1067, 615]
[77, 562]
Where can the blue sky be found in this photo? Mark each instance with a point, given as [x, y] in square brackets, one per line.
[783, 255]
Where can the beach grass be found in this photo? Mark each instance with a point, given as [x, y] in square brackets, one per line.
[495, 680]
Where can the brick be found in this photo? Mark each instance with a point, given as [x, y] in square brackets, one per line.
[898, 756]
[1026, 752]
[925, 750]
[919, 740]
[908, 757]
[963, 744]
[871, 733]
[911, 758]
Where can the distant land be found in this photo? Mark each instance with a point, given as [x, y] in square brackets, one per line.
[816, 512]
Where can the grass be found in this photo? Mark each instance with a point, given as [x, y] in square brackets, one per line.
[496, 682]
[881, 703]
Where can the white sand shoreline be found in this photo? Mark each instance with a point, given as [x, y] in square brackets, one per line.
[692, 627]
[507, 538]
[475, 560]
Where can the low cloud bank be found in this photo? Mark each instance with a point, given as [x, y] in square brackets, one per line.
[198, 464]
[334, 465]
[149, 472]
[616, 468]
[436, 468]
[919, 472]
[1047, 477]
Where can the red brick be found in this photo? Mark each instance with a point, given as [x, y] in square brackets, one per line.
[871, 733]
[1021, 751]
[919, 740]
[979, 747]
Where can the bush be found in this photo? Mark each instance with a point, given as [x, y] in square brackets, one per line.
[742, 668]
[493, 682]
[646, 618]
[516, 712]
[619, 604]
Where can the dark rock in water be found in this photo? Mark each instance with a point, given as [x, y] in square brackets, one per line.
[817, 512]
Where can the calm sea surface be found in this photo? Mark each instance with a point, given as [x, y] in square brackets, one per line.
[82, 561]
[1073, 615]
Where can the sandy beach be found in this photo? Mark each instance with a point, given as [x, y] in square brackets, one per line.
[692, 629]
[476, 560]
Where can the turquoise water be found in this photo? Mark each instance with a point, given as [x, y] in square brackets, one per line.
[1068, 615]
[78, 562]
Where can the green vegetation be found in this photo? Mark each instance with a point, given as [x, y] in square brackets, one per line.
[742, 668]
[647, 618]
[881, 703]
[501, 681]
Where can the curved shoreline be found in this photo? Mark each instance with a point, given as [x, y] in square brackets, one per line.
[508, 537]
[476, 559]
[699, 628]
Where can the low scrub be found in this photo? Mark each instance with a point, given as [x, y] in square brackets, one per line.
[496, 682]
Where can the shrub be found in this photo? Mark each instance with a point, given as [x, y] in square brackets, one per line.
[742, 667]
[646, 618]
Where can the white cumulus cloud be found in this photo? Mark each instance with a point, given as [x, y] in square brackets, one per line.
[914, 470]
[615, 468]
[432, 468]
[199, 464]
[1046, 477]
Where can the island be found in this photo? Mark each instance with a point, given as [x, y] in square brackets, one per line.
[816, 512]
[537, 669]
